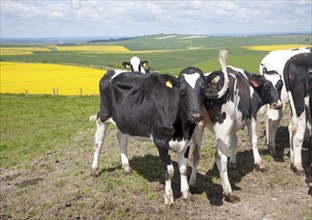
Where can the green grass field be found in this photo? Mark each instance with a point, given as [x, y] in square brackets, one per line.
[172, 54]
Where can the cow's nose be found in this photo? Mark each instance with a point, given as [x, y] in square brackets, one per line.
[277, 105]
[197, 116]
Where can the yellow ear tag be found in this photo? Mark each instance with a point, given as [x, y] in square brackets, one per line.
[216, 79]
[168, 84]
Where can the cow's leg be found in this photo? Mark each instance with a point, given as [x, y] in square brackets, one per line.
[197, 139]
[183, 159]
[296, 132]
[221, 161]
[233, 143]
[163, 150]
[272, 121]
[123, 142]
[253, 140]
[99, 139]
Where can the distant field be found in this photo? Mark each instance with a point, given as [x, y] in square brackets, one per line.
[92, 48]
[51, 66]
[38, 78]
[276, 47]
[20, 50]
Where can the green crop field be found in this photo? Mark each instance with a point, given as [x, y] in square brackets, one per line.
[165, 53]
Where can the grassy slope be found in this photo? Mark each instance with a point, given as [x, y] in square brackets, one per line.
[36, 124]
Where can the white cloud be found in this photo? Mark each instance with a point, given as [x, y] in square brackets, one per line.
[132, 18]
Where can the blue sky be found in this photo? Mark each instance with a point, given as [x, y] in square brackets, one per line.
[68, 18]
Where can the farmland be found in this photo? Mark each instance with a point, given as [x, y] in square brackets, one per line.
[46, 144]
[165, 54]
[43, 78]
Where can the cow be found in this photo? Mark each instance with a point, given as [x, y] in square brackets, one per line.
[160, 108]
[293, 67]
[225, 116]
[135, 65]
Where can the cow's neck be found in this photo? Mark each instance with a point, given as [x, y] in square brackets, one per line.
[183, 127]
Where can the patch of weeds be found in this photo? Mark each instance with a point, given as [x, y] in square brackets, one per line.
[32, 212]
[112, 183]
[59, 183]
[308, 214]
[48, 204]
[152, 196]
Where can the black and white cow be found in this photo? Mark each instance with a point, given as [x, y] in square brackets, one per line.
[136, 65]
[293, 67]
[225, 116]
[160, 108]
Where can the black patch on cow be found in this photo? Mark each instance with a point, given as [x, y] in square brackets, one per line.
[296, 77]
[186, 154]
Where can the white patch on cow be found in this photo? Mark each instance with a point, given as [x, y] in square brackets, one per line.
[178, 146]
[117, 72]
[136, 62]
[110, 120]
[238, 70]
[191, 79]
[207, 74]
[273, 78]
[276, 60]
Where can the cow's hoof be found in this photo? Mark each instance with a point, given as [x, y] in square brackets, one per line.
[261, 168]
[231, 198]
[233, 166]
[186, 195]
[95, 172]
[299, 172]
[128, 170]
[168, 199]
[192, 181]
[272, 151]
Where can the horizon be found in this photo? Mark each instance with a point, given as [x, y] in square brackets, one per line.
[74, 18]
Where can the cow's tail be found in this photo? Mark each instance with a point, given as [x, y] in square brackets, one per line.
[223, 55]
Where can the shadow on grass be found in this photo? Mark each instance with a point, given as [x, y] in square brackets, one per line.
[150, 167]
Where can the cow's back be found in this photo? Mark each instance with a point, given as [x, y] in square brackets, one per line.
[142, 100]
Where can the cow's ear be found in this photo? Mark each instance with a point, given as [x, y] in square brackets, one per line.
[144, 64]
[169, 81]
[126, 65]
[256, 81]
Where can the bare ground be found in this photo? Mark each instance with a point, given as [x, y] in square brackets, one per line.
[58, 184]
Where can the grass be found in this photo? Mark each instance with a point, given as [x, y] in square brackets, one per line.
[46, 153]
[35, 124]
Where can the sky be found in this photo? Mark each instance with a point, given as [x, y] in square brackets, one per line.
[90, 18]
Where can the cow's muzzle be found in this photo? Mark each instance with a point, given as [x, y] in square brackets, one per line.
[197, 117]
[276, 105]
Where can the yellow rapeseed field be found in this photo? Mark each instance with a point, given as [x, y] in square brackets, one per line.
[276, 47]
[92, 48]
[20, 50]
[39, 78]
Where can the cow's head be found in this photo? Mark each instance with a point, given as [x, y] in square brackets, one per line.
[192, 89]
[269, 93]
[136, 65]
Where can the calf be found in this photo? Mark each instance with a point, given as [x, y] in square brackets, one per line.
[160, 108]
[293, 67]
[225, 116]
